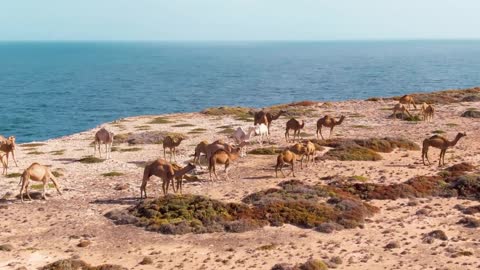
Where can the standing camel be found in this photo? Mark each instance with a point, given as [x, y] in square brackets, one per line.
[222, 157]
[328, 121]
[400, 108]
[8, 146]
[427, 111]
[261, 130]
[242, 137]
[266, 118]
[199, 149]
[37, 172]
[310, 152]
[407, 99]
[163, 169]
[295, 125]
[178, 176]
[172, 143]
[106, 137]
[286, 156]
[440, 143]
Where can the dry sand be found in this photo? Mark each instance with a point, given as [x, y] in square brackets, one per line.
[45, 231]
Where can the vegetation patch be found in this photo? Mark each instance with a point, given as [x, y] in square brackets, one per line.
[32, 144]
[311, 264]
[197, 131]
[293, 203]
[238, 112]
[265, 151]
[471, 114]
[90, 160]
[112, 174]
[361, 127]
[57, 173]
[143, 127]
[443, 97]
[352, 152]
[36, 153]
[121, 138]
[226, 131]
[160, 120]
[58, 152]
[438, 131]
[13, 175]
[71, 264]
[131, 149]
[40, 186]
[183, 125]
[147, 137]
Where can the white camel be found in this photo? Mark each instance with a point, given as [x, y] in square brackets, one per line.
[242, 138]
[261, 130]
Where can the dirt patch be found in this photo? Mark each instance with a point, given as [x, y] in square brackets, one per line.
[71, 264]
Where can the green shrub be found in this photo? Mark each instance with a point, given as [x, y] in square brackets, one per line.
[90, 160]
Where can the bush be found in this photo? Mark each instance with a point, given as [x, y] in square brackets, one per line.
[90, 160]
[265, 151]
[352, 152]
[71, 264]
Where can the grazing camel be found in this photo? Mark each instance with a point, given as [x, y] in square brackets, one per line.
[407, 99]
[400, 108]
[106, 137]
[8, 146]
[242, 137]
[286, 156]
[199, 149]
[215, 146]
[328, 121]
[163, 169]
[37, 172]
[440, 143]
[261, 130]
[222, 157]
[179, 173]
[310, 152]
[266, 118]
[427, 111]
[172, 143]
[296, 126]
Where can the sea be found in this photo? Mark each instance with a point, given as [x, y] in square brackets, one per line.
[52, 89]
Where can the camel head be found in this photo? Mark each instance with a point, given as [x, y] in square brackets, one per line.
[341, 119]
[303, 124]
[460, 135]
[11, 139]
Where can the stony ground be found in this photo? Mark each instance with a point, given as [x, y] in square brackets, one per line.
[73, 225]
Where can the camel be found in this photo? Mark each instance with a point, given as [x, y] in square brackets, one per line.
[310, 152]
[440, 143]
[407, 99]
[179, 178]
[4, 163]
[222, 157]
[266, 118]
[106, 137]
[241, 136]
[299, 150]
[328, 121]
[261, 130]
[37, 172]
[286, 156]
[400, 108]
[427, 111]
[172, 143]
[163, 169]
[199, 149]
[296, 126]
[215, 146]
[8, 146]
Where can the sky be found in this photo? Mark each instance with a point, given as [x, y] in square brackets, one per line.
[207, 20]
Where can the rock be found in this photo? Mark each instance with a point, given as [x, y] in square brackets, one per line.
[6, 247]
[471, 98]
[470, 222]
[84, 243]
[392, 245]
[146, 260]
[282, 266]
[438, 234]
[471, 114]
[336, 260]
[121, 186]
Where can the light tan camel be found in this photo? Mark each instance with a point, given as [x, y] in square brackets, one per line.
[407, 99]
[179, 178]
[286, 157]
[295, 125]
[328, 121]
[215, 146]
[440, 143]
[266, 118]
[400, 108]
[163, 169]
[299, 150]
[222, 157]
[172, 143]
[201, 148]
[310, 152]
[427, 111]
[8, 146]
[37, 172]
[103, 136]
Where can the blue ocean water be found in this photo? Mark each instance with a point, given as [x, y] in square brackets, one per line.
[51, 89]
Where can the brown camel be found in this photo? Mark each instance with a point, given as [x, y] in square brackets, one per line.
[328, 121]
[222, 157]
[172, 143]
[199, 149]
[266, 118]
[407, 99]
[103, 136]
[296, 126]
[400, 108]
[163, 169]
[37, 172]
[215, 146]
[8, 146]
[427, 111]
[286, 156]
[299, 150]
[310, 152]
[179, 178]
[440, 143]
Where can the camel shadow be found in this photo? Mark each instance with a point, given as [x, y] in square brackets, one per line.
[120, 201]
[66, 160]
[258, 177]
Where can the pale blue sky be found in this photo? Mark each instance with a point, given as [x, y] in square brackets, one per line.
[238, 19]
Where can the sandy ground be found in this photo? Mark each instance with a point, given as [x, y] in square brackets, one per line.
[45, 231]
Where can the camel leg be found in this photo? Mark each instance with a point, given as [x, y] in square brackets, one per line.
[14, 159]
[227, 164]
[286, 136]
[22, 188]
[106, 150]
[44, 189]
[164, 186]
[143, 188]
[293, 170]
[321, 133]
[28, 192]
[94, 148]
[331, 131]
[174, 185]
[164, 153]
[55, 184]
